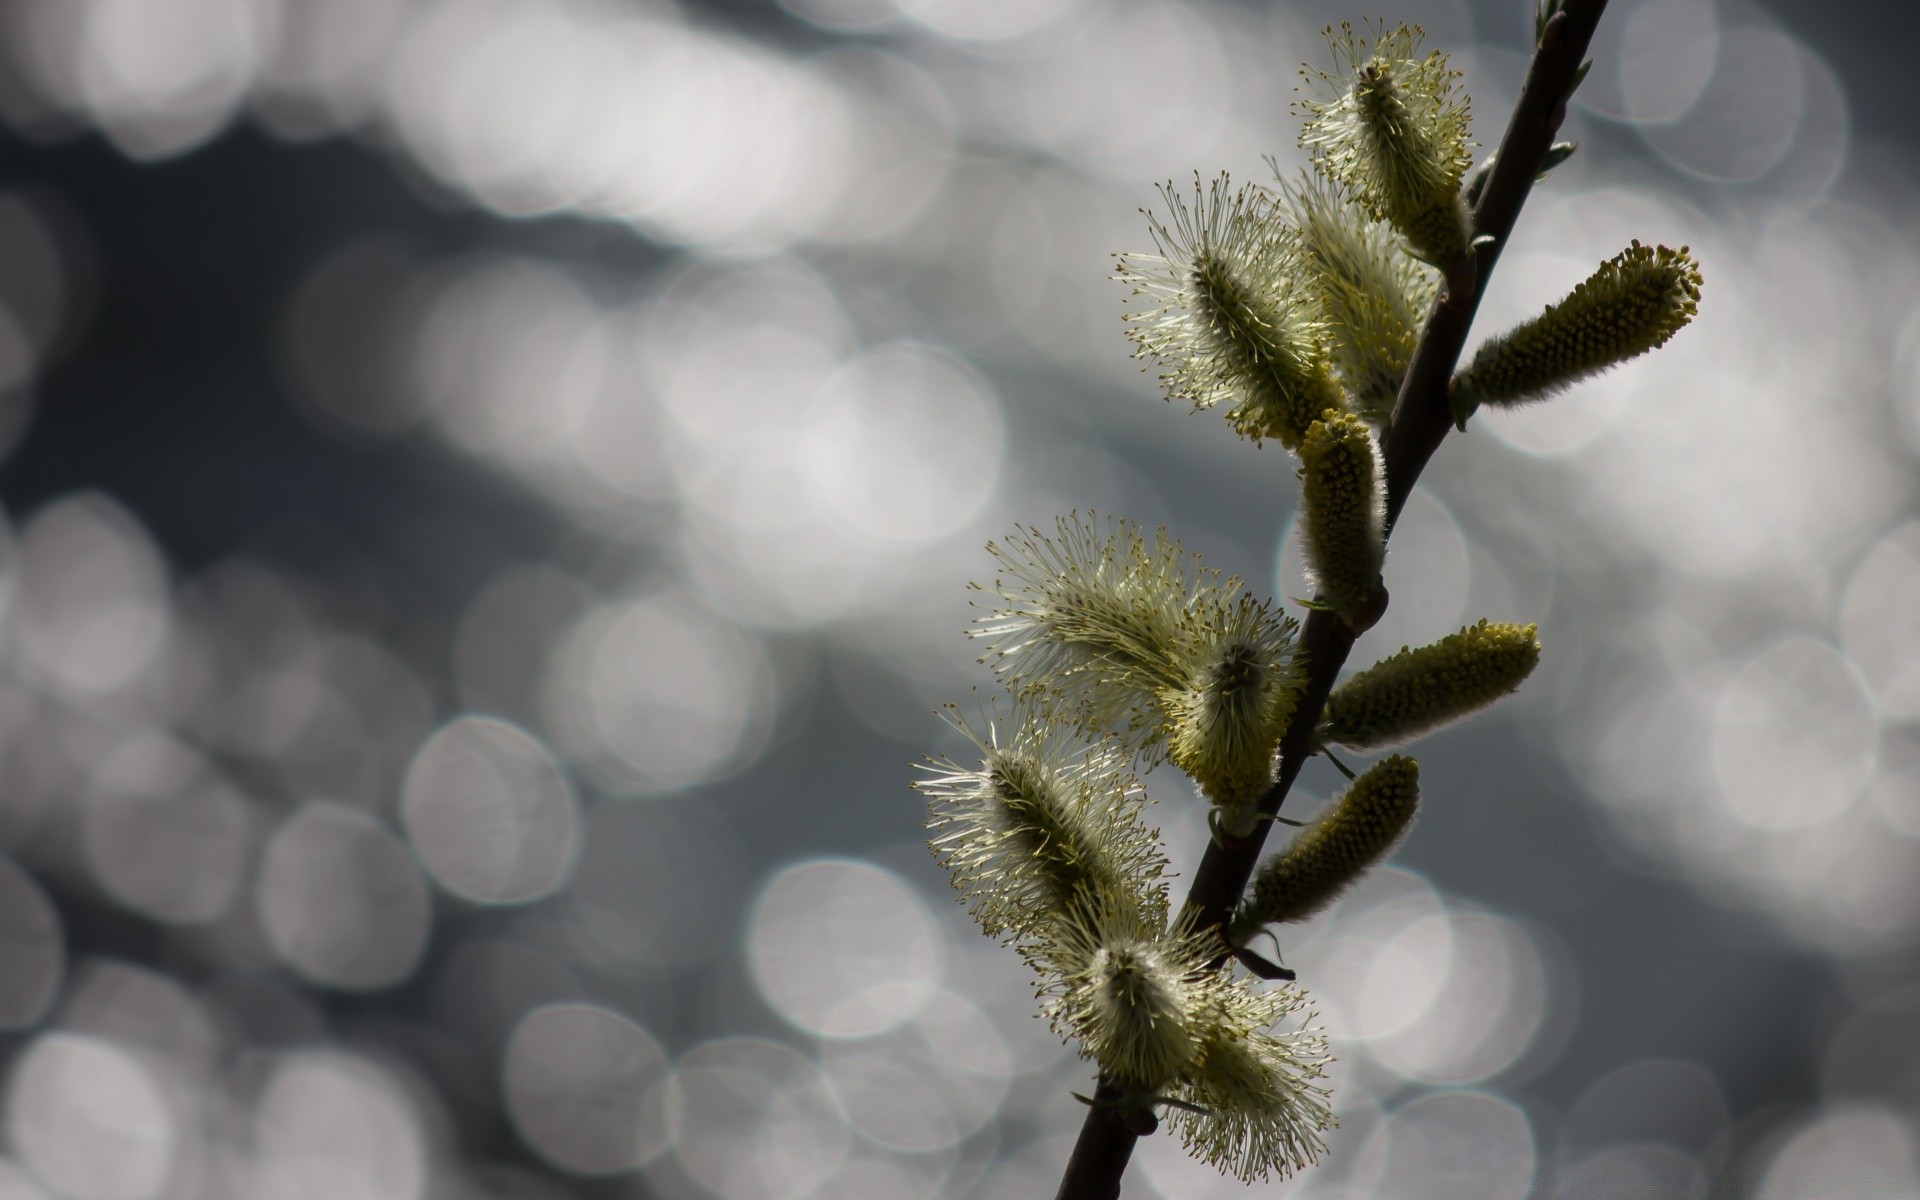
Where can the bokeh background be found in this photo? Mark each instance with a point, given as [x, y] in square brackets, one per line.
[489, 492]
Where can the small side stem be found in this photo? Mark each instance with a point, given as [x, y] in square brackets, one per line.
[1422, 415]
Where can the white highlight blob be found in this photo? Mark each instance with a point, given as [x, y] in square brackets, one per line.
[1487, 1012]
[582, 1084]
[33, 955]
[1381, 956]
[1864, 1145]
[332, 1126]
[892, 1103]
[490, 812]
[658, 693]
[1455, 1146]
[93, 600]
[756, 1121]
[1880, 620]
[841, 948]
[341, 901]
[904, 444]
[90, 1119]
[164, 834]
[1746, 120]
[1668, 53]
[163, 76]
[1795, 737]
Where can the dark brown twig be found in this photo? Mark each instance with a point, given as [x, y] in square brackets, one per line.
[1422, 415]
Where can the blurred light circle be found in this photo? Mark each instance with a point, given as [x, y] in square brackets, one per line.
[143, 1010]
[1668, 53]
[1486, 1014]
[1409, 971]
[1746, 119]
[905, 444]
[1873, 1147]
[986, 20]
[332, 1126]
[582, 1084]
[1795, 736]
[1876, 1054]
[1655, 1100]
[1633, 1170]
[845, 16]
[90, 1120]
[162, 76]
[1468, 1145]
[659, 693]
[658, 884]
[892, 1103]
[164, 834]
[489, 812]
[1880, 620]
[33, 955]
[340, 899]
[93, 599]
[16, 1184]
[756, 1121]
[841, 948]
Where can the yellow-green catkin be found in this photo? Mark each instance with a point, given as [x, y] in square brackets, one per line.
[1632, 304]
[1227, 314]
[1389, 125]
[1416, 691]
[1133, 993]
[1242, 682]
[1330, 854]
[1257, 1103]
[1043, 827]
[1343, 506]
[1373, 295]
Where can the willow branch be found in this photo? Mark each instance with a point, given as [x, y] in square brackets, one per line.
[1421, 417]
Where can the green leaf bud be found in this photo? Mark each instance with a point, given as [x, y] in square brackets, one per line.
[1260, 1106]
[1415, 691]
[1043, 827]
[1326, 856]
[1632, 304]
[1226, 313]
[1343, 506]
[1373, 296]
[1242, 682]
[1132, 993]
[1389, 125]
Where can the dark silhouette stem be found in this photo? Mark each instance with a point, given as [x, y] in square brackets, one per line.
[1422, 414]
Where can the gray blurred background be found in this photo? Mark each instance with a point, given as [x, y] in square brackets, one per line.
[489, 491]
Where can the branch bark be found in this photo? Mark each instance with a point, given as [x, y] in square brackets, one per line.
[1421, 417]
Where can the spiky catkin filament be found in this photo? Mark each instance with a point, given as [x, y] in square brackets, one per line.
[1373, 295]
[1343, 507]
[1635, 302]
[1133, 993]
[1043, 827]
[1094, 621]
[1224, 312]
[1416, 691]
[1327, 856]
[1265, 1108]
[1133, 637]
[1242, 682]
[1388, 124]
